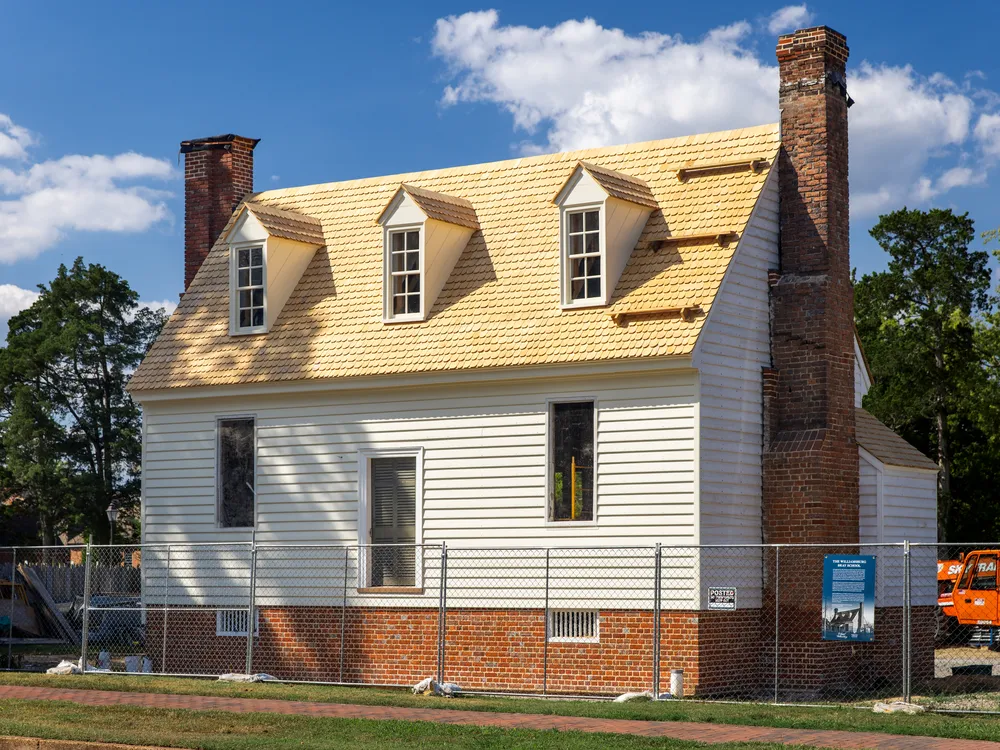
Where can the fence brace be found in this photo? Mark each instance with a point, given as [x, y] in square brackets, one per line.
[85, 635]
[906, 621]
[166, 605]
[777, 611]
[657, 573]
[545, 644]
[10, 626]
[442, 610]
[251, 606]
[343, 608]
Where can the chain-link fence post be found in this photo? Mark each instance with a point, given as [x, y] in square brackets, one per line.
[657, 572]
[251, 620]
[777, 610]
[85, 635]
[906, 621]
[166, 607]
[343, 611]
[442, 610]
[545, 643]
[10, 625]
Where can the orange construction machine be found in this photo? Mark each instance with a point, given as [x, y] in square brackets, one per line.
[968, 596]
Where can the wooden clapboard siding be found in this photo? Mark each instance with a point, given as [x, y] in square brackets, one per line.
[868, 510]
[733, 348]
[484, 469]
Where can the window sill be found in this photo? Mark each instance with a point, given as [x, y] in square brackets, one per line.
[391, 590]
[403, 319]
[572, 524]
[589, 304]
[247, 331]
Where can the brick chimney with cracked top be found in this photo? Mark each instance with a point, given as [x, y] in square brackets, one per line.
[218, 174]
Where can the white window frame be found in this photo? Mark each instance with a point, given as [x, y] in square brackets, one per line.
[549, 445]
[365, 457]
[567, 301]
[234, 301]
[219, 631]
[387, 314]
[596, 638]
[218, 468]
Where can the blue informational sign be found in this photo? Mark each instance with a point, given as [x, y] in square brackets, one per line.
[849, 598]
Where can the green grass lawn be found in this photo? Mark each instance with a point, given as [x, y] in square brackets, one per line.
[851, 719]
[215, 730]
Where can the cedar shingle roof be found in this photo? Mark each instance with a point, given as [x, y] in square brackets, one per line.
[291, 225]
[622, 186]
[500, 306]
[439, 206]
[886, 445]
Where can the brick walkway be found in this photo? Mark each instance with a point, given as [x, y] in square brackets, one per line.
[680, 730]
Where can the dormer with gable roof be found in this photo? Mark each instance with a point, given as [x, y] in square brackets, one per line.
[424, 233]
[601, 215]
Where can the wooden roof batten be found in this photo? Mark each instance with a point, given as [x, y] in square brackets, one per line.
[687, 313]
[755, 164]
[721, 237]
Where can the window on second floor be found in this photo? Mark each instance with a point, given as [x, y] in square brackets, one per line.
[583, 256]
[249, 289]
[405, 273]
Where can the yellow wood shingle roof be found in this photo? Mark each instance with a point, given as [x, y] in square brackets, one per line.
[291, 225]
[500, 306]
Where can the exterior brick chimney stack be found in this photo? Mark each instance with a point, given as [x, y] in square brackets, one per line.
[218, 174]
[810, 466]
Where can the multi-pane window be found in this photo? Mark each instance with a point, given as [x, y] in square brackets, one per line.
[404, 272]
[571, 463]
[583, 254]
[250, 287]
[236, 472]
[393, 520]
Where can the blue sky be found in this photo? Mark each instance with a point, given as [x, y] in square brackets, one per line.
[96, 97]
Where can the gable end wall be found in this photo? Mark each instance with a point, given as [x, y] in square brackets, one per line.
[733, 348]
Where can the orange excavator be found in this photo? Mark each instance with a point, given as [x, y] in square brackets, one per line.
[968, 597]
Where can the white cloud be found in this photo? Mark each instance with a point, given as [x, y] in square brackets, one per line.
[14, 139]
[789, 18]
[579, 84]
[41, 202]
[13, 299]
[167, 305]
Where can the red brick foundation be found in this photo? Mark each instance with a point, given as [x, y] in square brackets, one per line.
[723, 654]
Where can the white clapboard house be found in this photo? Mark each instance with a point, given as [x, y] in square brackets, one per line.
[565, 351]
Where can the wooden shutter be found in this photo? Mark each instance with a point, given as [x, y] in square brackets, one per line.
[394, 520]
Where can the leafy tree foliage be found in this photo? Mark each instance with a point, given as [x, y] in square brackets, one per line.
[922, 323]
[71, 435]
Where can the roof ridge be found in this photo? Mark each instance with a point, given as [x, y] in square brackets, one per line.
[686, 141]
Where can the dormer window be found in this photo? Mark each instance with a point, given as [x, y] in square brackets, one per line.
[583, 253]
[249, 288]
[405, 273]
[269, 249]
[424, 234]
[601, 215]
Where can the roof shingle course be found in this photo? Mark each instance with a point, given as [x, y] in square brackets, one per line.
[886, 445]
[500, 306]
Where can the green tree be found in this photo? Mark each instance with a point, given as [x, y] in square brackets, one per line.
[917, 321]
[71, 433]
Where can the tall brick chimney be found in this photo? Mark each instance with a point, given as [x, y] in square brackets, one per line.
[810, 466]
[218, 174]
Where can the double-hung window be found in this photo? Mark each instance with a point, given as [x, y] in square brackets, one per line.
[404, 273]
[571, 461]
[249, 289]
[583, 255]
[237, 443]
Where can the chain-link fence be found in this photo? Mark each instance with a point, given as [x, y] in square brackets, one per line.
[766, 623]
